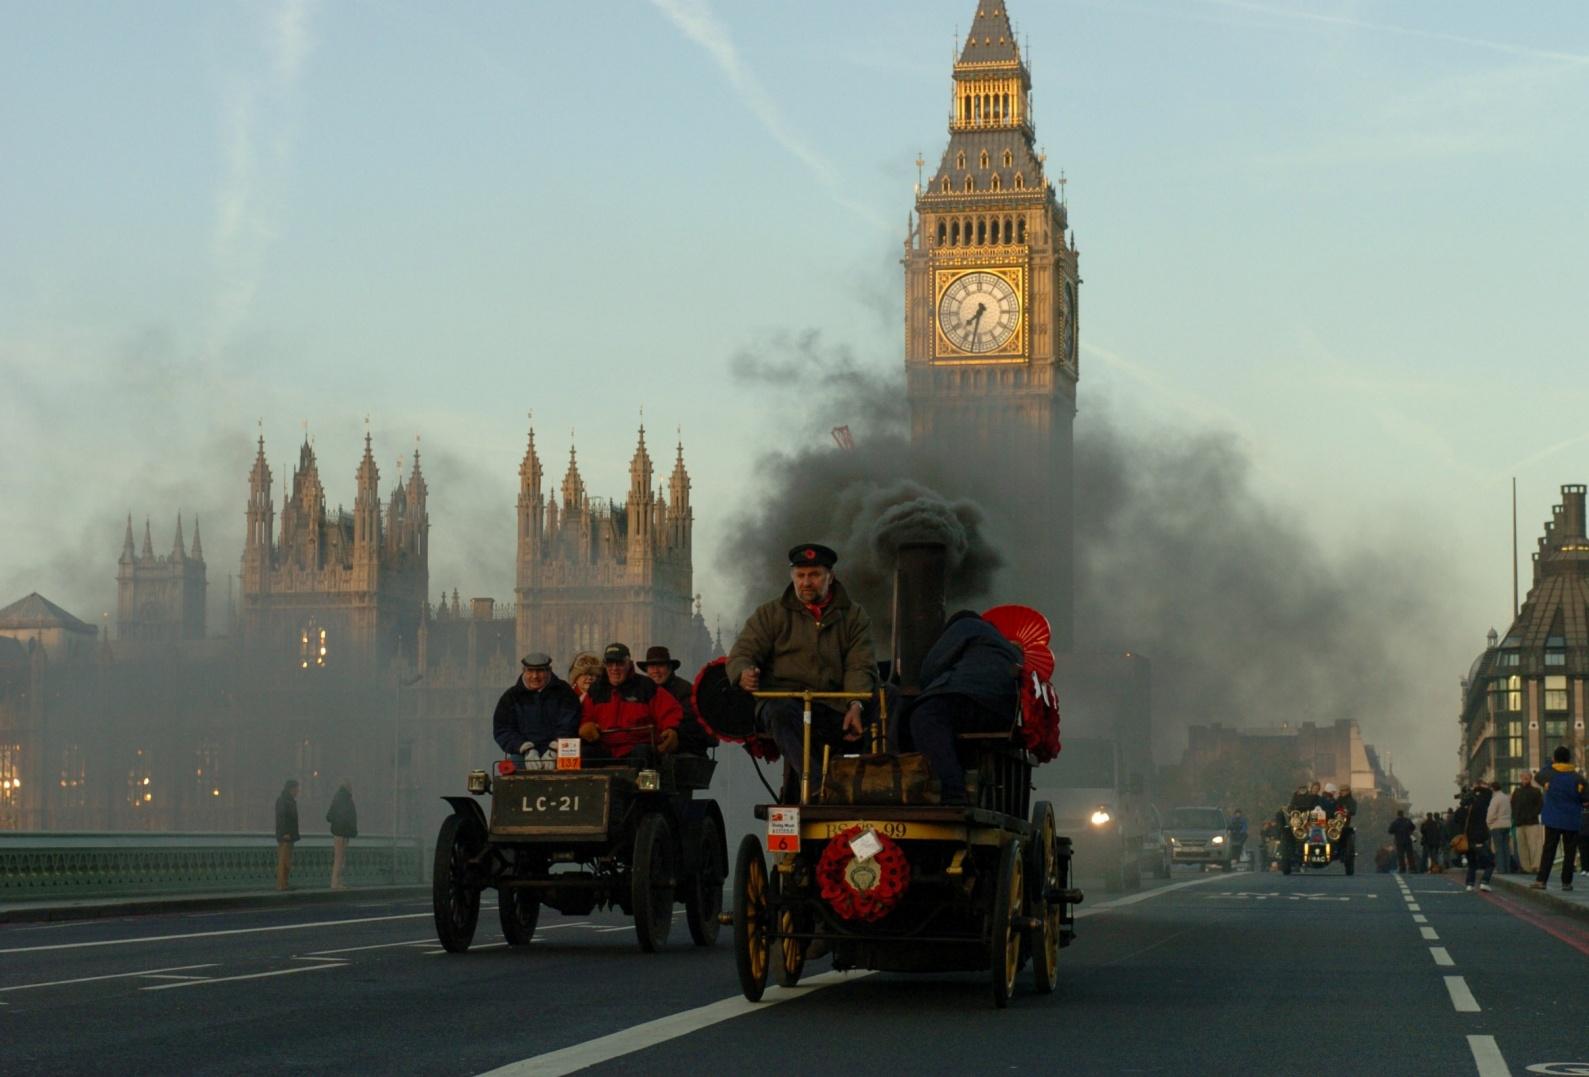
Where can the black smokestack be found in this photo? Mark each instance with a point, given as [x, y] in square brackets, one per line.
[918, 608]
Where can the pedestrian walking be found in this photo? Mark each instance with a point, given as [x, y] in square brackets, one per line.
[1499, 820]
[1527, 801]
[1476, 803]
[1563, 789]
[344, 819]
[1429, 838]
[1401, 829]
[286, 830]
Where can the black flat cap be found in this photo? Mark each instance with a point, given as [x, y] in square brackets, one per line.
[812, 553]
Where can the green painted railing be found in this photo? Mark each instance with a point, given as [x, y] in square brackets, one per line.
[35, 866]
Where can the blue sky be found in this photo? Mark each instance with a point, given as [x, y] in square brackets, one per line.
[1349, 234]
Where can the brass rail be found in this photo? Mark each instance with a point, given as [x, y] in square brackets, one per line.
[879, 729]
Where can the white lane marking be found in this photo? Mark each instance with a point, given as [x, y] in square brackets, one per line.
[1132, 899]
[1429, 933]
[1413, 906]
[250, 976]
[214, 934]
[1461, 997]
[1420, 918]
[608, 930]
[472, 949]
[618, 1044]
[108, 976]
[1441, 956]
[1487, 1057]
[169, 976]
[428, 940]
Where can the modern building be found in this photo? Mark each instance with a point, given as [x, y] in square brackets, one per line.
[1525, 692]
[991, 294]
[1333, 752]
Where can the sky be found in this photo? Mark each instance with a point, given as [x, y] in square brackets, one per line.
[1346, 236]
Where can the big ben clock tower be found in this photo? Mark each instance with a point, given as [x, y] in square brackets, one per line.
[990, 315]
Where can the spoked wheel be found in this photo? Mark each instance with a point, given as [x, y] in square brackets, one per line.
[751, 918]
[456, 904]
[519, 911]
[703, 895]
[789, 956]
[1004, 940]
[651, 882]
[1042, 862]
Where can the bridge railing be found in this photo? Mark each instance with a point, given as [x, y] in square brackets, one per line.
[36, 866]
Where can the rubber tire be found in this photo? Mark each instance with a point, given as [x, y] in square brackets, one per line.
[751, 950]
[519, 911]
[703, 894]
[652, 881]
[1161, 870]
[455, 907]
[1004, 939]
[1349, 855]
[1131, 873]
[1043, 876]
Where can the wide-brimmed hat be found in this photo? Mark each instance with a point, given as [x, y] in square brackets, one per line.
[656, 656]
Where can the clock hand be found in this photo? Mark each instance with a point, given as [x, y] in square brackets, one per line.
[976, 322]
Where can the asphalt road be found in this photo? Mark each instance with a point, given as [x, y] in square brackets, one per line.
[1234, 973]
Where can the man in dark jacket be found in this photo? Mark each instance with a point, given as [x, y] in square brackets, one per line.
[662, 668]
[1475, 809]
[1564, 799]
[1401, 829]
[970, 682]
[286, 830]
[344, 819]
[1429, 838]
[536, 711]
[811, 637]
[626, 714]
[1527, 803]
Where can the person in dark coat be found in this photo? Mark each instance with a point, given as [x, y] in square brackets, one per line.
[344, 820]
[286, 830]
[970, 686]
[1402, 830]
[1475, 809]
[627, 716]
[1429, 838]
[662, 668]
[536, 711]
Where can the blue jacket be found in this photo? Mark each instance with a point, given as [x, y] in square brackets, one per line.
[972, 658]
[1564, 788]
[538, 717]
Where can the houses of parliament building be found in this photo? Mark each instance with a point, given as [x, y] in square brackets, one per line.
[337, 665]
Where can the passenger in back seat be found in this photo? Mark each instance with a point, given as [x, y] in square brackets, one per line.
[972, 679]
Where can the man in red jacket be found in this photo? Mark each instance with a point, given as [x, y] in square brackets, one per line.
[626, 711]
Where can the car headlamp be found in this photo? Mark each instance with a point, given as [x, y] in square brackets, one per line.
[1100, 817]
[1218, 839]
[648, 781]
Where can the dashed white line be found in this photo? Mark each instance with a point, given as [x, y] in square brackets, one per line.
[214, 934]
[1461, 998]
[1441, 957]
[1487, 1057]
[1419, 918]
[1413, 906]
[250, 976]
[1429, 933]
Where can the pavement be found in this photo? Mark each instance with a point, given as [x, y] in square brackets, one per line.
[1205, 973]
[17, 912]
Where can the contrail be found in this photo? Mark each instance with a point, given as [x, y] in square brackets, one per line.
[696, 21]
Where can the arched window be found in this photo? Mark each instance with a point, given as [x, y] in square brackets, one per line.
[971, 184]
[954, 234]
[1009, 230]
[982, 230]
[965, 108]
[1006, 106]
[984, 159]
[960, 161]
[994, 183]
[1020, 230]
[1020, 182]
[941, 233]
[945, 185]
[1009, 158]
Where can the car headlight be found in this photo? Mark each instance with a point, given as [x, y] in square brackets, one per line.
[648, 781]
[1219, 839]
[1100, 817]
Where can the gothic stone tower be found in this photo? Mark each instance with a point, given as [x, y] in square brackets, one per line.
[990, 316]
[335, 589]
[160, 599]
[592, 573]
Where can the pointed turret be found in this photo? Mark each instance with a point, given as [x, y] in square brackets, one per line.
[416, 530]
[680, 516]
[640, 510]
[148, 542]
[198, 544]
[127, 549]
[366, 509]
[573, 484]
[179, 544]
[532, 517]
[991, 42]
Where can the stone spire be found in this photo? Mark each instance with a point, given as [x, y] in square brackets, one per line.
[640, 470]
[178, 551]
[260, 512]
[573, 484]
[367, 504]
[679, 484]
[198, 544]
[530, 469]
[991, 42]
[127, 553]
[148, 542]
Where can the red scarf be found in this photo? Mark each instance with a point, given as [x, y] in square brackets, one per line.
[818, 609]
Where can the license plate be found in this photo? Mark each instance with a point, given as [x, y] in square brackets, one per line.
[539, 804]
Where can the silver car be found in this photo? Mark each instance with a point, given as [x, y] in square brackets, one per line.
[1199, 836]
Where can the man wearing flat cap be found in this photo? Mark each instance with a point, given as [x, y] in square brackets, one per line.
[812, 637]
[663, 669]
[626, 714]
[536, 711]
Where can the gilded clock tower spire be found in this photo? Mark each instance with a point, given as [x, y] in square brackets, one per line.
[990, 312]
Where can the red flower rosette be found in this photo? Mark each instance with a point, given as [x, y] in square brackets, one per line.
[866, 891]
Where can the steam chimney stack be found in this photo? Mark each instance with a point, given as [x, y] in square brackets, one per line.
[919, 576]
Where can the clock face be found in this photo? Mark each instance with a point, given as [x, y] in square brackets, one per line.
[979, 312]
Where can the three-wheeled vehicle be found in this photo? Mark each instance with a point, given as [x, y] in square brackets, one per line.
[620, 835]
[891, 879]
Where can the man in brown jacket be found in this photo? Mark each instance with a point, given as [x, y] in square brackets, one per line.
[812, 637]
